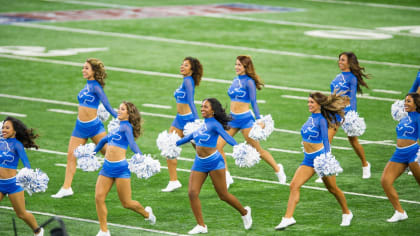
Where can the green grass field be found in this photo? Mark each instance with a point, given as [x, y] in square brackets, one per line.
[142, 57]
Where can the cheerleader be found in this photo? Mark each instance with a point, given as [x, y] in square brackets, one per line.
[208, 161]
[192, 71]
[88, 124]
[115, 168]
[243, 92]
[408, 133]
[16, 137]
[347, 83]
[317, 155]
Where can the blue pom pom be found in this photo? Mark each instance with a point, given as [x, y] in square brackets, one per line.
[144, 166]
[245, 155]
[326, 165]
[353, 125]
[166, 143]
[102, 113]
[257, 132]
[33, 181]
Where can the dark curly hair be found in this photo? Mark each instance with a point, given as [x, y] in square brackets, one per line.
[357, 70]
[416, 99]
[134, 118]
[219, 112]
[98, 68]
[196, 68]
[23, 134]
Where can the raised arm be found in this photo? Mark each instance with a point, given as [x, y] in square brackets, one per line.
[250, 84]
[229, 139]
[324, 134]
[416, 84]
[101, 94]
[20, 150]
[128, 131]
[189, 88]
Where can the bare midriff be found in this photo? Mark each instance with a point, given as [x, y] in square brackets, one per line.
[114, 153]
[86, 113]
[205, 151]
[183, 109]
[6, 173]
[239, 107]
[404, 142]
[312, 147]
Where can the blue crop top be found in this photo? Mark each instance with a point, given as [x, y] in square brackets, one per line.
[315, 130]
[207, 134]
[409, 127]
[416, 84]
[185, 94]
[346, 82]
[121, 138]
[11, 150]
[243, 89]
[92, 94]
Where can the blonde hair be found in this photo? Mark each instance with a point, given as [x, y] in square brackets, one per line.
[331, 106]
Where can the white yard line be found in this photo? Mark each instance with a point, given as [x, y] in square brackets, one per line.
[384, 142]
[284, 150]
[95, 222]
[160, 75]
[386, 91]
[156, 106]
[196, 43]
[368, 4]
[62, 111]
[12, 114]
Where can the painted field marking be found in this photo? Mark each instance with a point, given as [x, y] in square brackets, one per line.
[386, 91]
[156, 106]
[196, 43]
[98, 4]
[384, 142]
[62, 111]
[12, 114]
[96, 222]
[303, 186]
[378, 5]
[134, 71]
[284, 150]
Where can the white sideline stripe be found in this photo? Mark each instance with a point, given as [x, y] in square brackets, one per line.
[166, 75]
[157, 106]
[95, 221]
[62, 111]
[385, 142]
[370, 4]
[284, 150]
[12, 114]
[386, 91]
[363, 96]
[38, 99]
[99, 4]
[196, 43]
[281, 22]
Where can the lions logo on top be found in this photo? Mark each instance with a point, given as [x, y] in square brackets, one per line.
[201, 134]
[5, 155]
[179, 94]
[308, 128]
[340, 84]
[237, 89]
[405, 126]
[84, 95]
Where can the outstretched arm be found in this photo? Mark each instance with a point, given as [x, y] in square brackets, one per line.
[101, 143]
[229, 139]
[416, 84]
[185, 139]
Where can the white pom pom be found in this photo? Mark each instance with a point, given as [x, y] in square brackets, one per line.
[257, 133]
[326, 165]
[102, 113]
[113, 126]
[398, 111]
[84, 150]
[1, 127]
[166, 143]
[144, 166]
[88, 163]
[190, 127]
[418, 156]
[245, 155]
[353, 125]
[33, 181]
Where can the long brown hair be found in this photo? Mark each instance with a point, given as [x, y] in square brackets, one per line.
[134, 118]
[357, 70]
[416, 99]
[98, 69]
[250, 70]
[196, 68]
[25, 135]
[331, 106]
